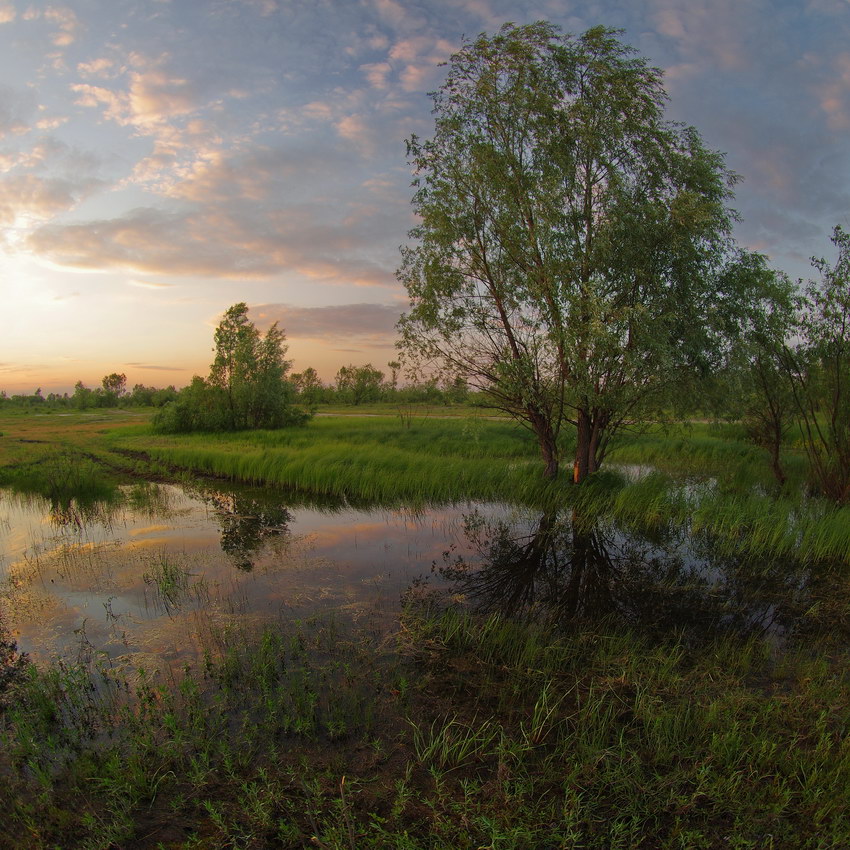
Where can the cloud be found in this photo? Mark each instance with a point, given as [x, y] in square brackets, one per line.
[7, 13]
[265, 8]
[155, 97]
[51, 123]
[369, 322]
[834, 93]
[151, 99]
[377, 73]
[146, 284]
[145, 240]
[420, 57]
[218, 243]
[258, 174]
[97, 68]
[28, 197]
[15, 368]
[155, 368]
[717, 35]
[66, 23]
[412, 64]
[360, 133]
[45, 150]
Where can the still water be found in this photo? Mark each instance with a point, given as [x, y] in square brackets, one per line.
[158, 573]
[154, 578]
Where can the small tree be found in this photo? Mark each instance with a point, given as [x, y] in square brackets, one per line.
[358, 384]
[308, 386]
[83, 397]
[753, 386]
[115, 383]
[818, 370]
[395, 368]
[246, 388]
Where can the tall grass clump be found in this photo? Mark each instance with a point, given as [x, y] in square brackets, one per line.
[63, 478]
[374, 459]
[620, 742]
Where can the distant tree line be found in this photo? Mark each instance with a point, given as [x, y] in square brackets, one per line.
[111, 393]
[355, 385]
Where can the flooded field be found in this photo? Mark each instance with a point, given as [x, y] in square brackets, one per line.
[159, 572]
[158, 576]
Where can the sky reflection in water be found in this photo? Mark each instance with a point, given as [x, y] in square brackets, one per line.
[156, 577]
[154, 574]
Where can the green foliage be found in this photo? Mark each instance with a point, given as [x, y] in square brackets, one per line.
[114, 387]
[143, 396]
[574, 257]
[246, 387]
[308, 387]
[357, 384]
[753, 385]
[819, 373]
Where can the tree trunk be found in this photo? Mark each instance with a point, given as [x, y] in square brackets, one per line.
[590, 430]
[548, 443]
[776, 442]
[582, 462]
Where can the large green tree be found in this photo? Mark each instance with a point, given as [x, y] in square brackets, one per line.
[574, 247]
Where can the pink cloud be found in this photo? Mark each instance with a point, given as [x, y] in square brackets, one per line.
[27, 197]
[214, 243]
[96, 68]
[834, 95]
[354, 129]
[66, 21]
[372, 323]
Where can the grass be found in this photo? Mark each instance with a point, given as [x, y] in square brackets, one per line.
[466, 732]
[369, 459]
[464, 729]
[706, 477]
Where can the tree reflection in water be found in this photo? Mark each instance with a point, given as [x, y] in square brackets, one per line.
[567, 571]
[248, 523]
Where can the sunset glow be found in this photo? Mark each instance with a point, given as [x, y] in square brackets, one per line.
[161, 161]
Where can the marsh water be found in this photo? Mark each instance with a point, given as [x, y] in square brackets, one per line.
[159, 574]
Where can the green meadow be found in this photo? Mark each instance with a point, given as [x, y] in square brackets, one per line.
[457, 728]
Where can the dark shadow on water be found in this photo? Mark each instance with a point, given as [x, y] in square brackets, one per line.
[572, 573]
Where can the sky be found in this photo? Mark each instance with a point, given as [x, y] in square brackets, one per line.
[161, 160]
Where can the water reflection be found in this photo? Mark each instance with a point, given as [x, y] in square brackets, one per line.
[161, 571]
[249, 523]
[568, 571]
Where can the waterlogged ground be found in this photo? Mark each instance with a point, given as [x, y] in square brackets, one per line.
[161, 573]
[158, 577]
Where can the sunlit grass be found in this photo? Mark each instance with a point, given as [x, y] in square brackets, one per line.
[370, 459]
